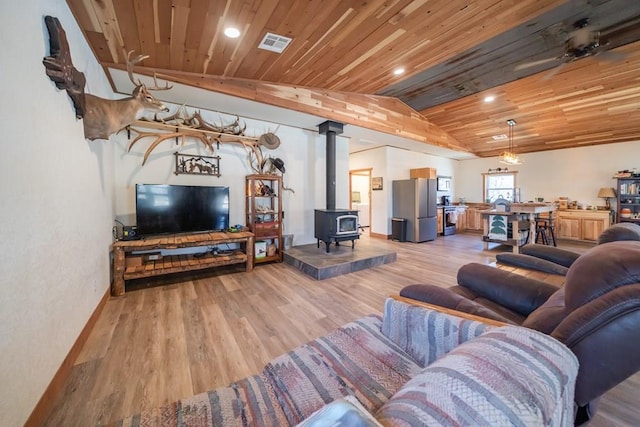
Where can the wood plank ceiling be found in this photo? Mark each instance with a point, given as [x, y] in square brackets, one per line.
[341, 59]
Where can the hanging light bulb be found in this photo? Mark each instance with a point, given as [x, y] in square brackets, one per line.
[509, 157]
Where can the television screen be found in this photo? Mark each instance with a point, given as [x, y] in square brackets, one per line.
[162, 208]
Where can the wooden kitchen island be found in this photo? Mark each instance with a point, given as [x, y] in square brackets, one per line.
[518, 212]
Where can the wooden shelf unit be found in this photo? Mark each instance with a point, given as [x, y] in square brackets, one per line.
[628, 190]
[128, 265]
[264, 214]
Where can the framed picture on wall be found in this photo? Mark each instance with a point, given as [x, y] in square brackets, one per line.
[444, 183]
[376, 183]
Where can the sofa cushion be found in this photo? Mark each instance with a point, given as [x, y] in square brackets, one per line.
[355, 359]
[509, 376]
[426, 334]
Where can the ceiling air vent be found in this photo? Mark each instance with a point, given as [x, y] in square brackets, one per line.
[274, 42]
[500, 137]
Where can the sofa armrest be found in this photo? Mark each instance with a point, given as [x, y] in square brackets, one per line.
[446, 298]
[553, 254]
[513, 291]
[426, 334]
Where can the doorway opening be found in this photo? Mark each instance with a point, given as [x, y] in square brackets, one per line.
[360, 200]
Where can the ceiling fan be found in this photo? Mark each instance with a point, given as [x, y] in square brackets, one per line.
[580, 43]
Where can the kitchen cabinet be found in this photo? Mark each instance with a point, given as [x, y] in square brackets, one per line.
[461, 223]
[473, 220]
[429, 173]
[575, 224]
[440, 226]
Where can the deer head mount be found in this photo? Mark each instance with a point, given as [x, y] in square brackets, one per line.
[101, 117]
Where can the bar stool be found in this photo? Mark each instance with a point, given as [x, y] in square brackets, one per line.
[544, 230]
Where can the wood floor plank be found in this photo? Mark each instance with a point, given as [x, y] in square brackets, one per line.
[173, 337]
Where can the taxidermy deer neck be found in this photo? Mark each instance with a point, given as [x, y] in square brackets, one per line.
[104, 117]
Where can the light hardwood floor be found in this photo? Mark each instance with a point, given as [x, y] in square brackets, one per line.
[158, 344]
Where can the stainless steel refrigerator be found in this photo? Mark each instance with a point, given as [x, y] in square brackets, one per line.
[415, 200]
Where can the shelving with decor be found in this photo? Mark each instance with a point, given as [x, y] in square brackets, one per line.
[628, 209]
[264, 216]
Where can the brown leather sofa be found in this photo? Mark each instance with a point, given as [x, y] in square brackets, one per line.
[596, 313]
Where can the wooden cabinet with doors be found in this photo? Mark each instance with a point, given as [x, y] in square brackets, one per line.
[429, 173]
[440, 226]
[628, 204]
[461, 221]
[576, 224]
[474, 216]
[264, 216]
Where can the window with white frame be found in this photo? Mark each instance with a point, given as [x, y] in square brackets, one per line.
[499, 185]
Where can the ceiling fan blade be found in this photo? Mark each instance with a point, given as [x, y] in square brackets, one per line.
[534, 63]
[553, 72]
[611, 56]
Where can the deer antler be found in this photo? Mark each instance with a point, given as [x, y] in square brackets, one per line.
[164, 136]
[137, 60]
[131, 63]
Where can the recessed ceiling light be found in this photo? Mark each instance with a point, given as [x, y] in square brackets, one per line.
[398, 71]
[489, 98]
[232, 33]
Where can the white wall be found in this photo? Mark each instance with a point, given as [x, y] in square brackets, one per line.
[56, 214]
[393, 164]
[577, 173]
[303, 153]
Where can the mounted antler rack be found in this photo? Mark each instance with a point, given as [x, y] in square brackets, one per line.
[195, 127]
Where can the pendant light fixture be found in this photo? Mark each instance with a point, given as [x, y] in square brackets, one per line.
[509, 157]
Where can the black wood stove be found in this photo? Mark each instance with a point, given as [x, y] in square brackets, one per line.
[337, 225]
[334, 225]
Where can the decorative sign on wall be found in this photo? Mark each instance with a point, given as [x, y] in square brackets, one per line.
[376, 183]
[189, 164]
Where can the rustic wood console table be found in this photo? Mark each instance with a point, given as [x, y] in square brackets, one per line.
[129, 265]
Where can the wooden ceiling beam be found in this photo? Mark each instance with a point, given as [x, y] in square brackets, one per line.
[383, 114]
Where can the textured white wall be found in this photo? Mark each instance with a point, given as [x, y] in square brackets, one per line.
[393, 164]
[56, 208]
[577, 173]
[303, 153]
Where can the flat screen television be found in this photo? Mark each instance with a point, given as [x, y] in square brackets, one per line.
[162, 208]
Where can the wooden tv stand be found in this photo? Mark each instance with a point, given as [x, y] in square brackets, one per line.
[127, 265]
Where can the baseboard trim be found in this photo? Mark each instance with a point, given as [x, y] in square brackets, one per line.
[44, 406]
[379, 236]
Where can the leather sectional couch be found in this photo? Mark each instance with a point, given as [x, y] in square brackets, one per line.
[596, 313]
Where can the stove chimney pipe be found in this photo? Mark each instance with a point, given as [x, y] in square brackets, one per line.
[331, 129]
